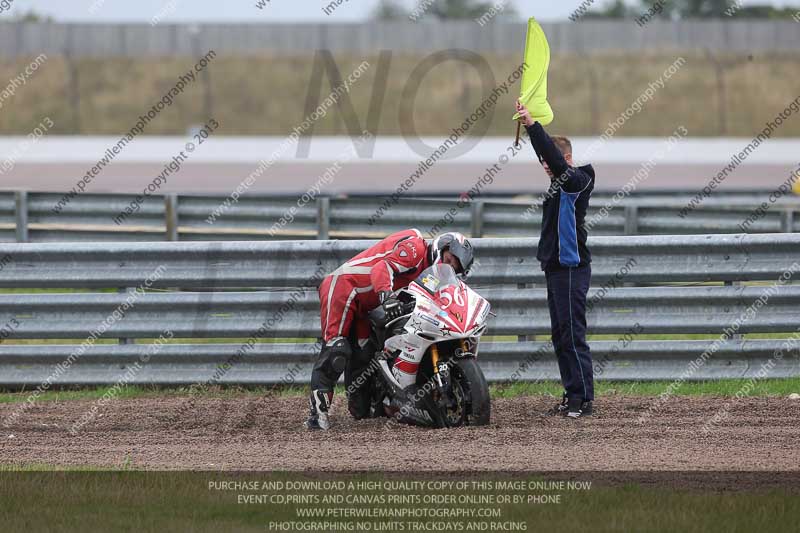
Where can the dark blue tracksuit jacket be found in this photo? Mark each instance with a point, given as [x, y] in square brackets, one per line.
[566, 259]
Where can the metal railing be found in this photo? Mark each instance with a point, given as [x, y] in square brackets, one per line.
[27, 217]
[255, 304]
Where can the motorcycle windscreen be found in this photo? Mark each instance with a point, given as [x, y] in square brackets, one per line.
[446, 291]
[437, 277]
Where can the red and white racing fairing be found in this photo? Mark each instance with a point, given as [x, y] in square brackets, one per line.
[445, 309]
[440, 329]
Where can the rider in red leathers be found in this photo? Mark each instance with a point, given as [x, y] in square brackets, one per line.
[353, 290]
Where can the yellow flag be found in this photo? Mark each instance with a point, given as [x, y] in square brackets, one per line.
[533, 89]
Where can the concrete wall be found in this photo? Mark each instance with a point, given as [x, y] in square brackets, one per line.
[98, 40]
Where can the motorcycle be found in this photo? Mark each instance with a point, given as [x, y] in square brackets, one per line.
[444, 318]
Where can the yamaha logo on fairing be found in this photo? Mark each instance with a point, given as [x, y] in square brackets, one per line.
[419, 413]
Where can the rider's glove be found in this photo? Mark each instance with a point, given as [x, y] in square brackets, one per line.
[391, 305]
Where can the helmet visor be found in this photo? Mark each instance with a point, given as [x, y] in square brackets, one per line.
[464, 254]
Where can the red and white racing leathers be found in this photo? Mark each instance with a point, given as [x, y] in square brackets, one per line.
[351, 291]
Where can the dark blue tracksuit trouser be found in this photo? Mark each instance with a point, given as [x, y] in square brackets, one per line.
[566, 297]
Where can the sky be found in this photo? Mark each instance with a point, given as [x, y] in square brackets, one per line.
[246, 10]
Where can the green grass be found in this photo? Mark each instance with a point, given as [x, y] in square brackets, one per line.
[132, 392]
[44, 467]
[31, 500]
[212, 340]
[646, 337]
[112, 93]
[723, 387]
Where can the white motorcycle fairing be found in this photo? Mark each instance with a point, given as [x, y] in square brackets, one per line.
[445, 309]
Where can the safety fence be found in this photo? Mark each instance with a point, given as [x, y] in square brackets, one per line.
[29, 217]
[247, 312]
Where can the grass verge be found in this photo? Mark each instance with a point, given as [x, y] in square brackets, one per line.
[722, 387]
[187, 501]
[105, 96]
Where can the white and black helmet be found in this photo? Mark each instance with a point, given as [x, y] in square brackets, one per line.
[456, 244]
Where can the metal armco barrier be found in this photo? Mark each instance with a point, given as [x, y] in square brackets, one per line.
[28, 217]
[286, 363]
[227, 291]
[287, 264]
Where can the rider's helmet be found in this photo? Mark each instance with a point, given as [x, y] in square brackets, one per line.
[457, 245]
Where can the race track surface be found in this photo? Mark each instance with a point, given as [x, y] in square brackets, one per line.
[249, 433]
[379, 178]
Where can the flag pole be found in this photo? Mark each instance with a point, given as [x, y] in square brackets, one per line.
[519, 126]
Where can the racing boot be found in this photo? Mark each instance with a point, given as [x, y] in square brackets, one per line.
[329, 366]
[319, 402]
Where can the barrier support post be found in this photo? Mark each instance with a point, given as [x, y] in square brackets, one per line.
[21, 215]
[477, 219]
[787, 221]
[323, 218]
[631, 220]
[123, 290]
[171, 216]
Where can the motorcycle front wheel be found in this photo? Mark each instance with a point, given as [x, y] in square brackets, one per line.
[471, 394]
